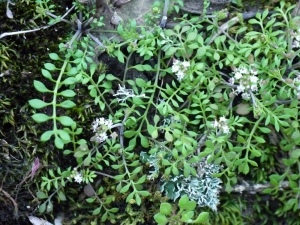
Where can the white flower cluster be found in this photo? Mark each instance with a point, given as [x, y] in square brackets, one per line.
[76, 175]
[126, 93]
[247, 80]
[296, 39]
[180, 68]
[221, 125]
[100, 127]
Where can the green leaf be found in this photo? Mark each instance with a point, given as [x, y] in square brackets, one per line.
[93, 68]
[130, 196]
[90, 200]
[111, 77]
[295, 153]
[104, 217]
[154, 134]
[65, 120]
[46, 135]
[203, 217]
[265, 130]
[186, 217]
[67, 104]
[120, 56]
[175, 171]
[183, 202]
[129, 133]
[144, 141]
[40, 117]
[138, 199]
[144, 193]
[67, 93]
[96, 211]
[54, 56]
[165, 208]
[168, 136]
[142, 180]
[259, 139]
[47, 74]
[69, 81]
[49, 66]
[62, 196]
[119, 177]
[140, 82]
[160, 219]
[125, 188]
[58, 142]
[37, 103]
[64, 135]
[40, 86]
[137, 170]
[41, 195]
[171, 51]
[87, 160]
[191, 36]
[80, 154]
[42, 207]
[216, 56]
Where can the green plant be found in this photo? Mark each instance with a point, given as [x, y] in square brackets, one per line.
[184, 215]
[210, 103]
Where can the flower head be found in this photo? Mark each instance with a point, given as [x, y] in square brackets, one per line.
[221, 125]
[180, 68]
[78, 177]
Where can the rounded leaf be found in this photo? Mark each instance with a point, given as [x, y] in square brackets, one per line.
[160, 218]
[37, 103]
[50, 66]
[203, 217]
[69, 81]
[42, 207]
[46, 135]
[40, 86]
[64, 135]
[67, 93]
[67, 104]
[165, 208]
[47, 74]
[41, 195]
[40, 117]
[65, 120]
[54, 56]
[183, 202]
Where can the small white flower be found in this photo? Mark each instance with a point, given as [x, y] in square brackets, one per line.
[231, 80]
[225, 129]
[243, 70]
[180, 75]
[295, 44]
[109, 123]
[253, 79]
[175, 68]
[223, 119]
[254, 87]
[101, 121]
[246, 96]
[78, 177]
[101, 137]
[253, 71]
[215, 124]
[240, 88]
[238, 75]
[186, 64]
[114, 135]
